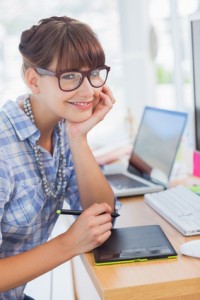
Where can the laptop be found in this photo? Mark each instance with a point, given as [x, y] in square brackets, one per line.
[131, 244]
[153, 155]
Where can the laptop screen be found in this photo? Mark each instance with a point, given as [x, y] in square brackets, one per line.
[157, 143]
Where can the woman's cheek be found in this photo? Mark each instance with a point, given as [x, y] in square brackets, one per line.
[97, 97]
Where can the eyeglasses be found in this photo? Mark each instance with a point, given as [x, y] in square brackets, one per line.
[70, 80]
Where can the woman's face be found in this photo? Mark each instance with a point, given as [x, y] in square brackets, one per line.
[74, 106]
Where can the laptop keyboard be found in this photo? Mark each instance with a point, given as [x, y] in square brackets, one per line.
[121, 181]
[179, 206]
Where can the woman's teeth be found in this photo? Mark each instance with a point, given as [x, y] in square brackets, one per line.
[81, 103]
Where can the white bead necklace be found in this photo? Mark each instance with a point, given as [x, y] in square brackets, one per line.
[61, 182]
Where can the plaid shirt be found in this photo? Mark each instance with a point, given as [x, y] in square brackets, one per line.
[27, 215]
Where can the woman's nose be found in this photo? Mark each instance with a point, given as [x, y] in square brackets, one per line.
[86, 89]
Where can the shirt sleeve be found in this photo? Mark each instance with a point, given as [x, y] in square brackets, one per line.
[5, 187]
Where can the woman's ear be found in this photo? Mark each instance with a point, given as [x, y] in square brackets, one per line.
[32, 80]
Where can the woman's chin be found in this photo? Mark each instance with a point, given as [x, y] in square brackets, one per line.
[81, 118]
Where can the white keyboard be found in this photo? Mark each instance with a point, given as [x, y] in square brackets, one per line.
[179, 206]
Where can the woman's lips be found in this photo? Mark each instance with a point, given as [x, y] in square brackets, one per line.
[82, 105]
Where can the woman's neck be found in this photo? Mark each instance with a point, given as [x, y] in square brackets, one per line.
[46, 143]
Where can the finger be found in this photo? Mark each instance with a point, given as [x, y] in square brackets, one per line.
[99, 209]
[101, 213]
[108, 98]
[101, 109]
[106, 90]
[104, 218]
[105, 227]
[101, 239]
[104, 106]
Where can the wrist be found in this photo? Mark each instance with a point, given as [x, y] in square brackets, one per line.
[77, 142]
[66, 249]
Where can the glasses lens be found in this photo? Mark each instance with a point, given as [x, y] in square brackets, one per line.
[70, 80]
[98, 77]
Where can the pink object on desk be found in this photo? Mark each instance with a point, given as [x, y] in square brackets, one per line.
[196, 163]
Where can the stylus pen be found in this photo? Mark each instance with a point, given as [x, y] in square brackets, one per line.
[78, 212]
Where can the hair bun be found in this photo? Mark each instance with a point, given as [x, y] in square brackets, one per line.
[27, 35]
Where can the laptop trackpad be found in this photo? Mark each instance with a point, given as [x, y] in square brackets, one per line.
[121, 181]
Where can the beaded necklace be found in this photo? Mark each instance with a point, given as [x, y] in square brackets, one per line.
[61, 182]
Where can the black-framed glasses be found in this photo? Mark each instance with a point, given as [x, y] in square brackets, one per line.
[70, 80]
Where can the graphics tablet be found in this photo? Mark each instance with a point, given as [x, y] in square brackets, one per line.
[130, 244]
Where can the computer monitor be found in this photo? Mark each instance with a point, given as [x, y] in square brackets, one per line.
[195, 54]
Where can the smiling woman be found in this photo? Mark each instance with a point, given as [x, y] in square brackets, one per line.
[45, 154]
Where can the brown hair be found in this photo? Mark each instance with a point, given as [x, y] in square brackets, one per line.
[72, 43]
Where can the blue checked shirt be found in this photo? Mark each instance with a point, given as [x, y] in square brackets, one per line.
[27, 215]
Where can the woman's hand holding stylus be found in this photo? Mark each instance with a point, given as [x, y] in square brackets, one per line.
[91, 229]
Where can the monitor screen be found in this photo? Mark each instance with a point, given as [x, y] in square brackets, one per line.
[195, 47]
[157, 142]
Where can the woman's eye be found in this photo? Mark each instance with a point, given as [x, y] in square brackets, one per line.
[95, 73]
[68, 76]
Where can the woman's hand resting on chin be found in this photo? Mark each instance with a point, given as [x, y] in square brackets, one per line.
[106, 101]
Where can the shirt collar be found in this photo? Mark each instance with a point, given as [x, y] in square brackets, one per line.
[22, 124]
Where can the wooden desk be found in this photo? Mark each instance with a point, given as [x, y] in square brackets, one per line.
[167, 279]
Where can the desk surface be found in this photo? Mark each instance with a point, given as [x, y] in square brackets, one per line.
[167, 279]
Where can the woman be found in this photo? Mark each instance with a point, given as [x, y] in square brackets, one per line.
[45, 158]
